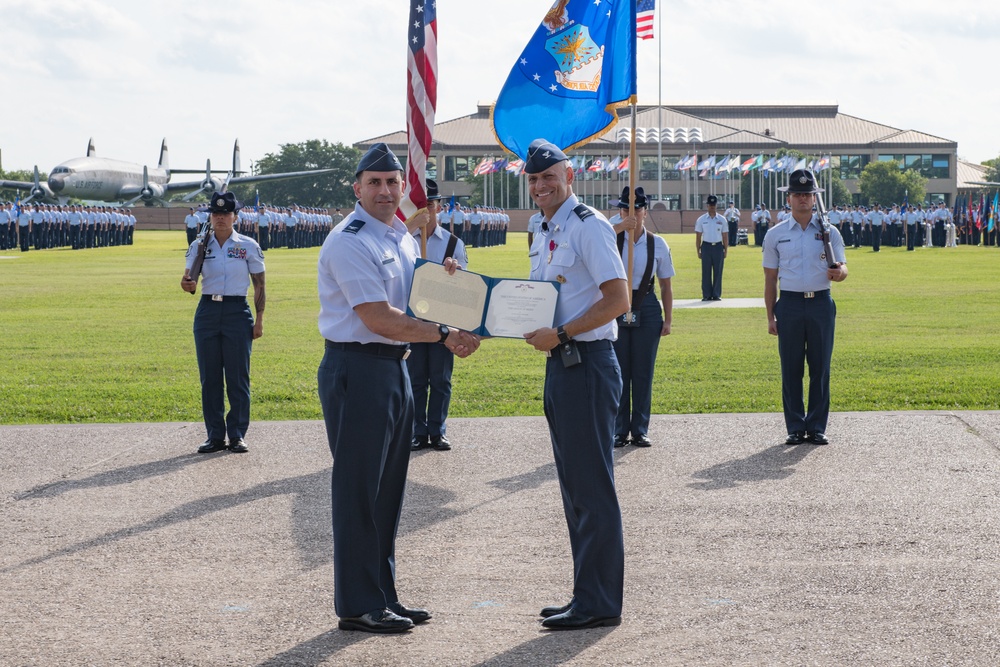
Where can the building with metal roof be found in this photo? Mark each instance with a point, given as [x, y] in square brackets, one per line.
[841, 144]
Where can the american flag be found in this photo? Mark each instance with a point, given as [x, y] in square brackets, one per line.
[644, 11]
[421, 101]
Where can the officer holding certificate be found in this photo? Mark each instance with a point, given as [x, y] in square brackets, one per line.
[364, 274]
[575, 246]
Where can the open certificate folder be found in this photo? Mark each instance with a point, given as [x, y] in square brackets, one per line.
[504, 307]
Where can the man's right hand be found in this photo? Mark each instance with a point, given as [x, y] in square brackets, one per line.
[188, 285]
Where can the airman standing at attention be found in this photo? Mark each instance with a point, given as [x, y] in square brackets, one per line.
[712, 244]
[732, 216]
[430, 365]
[804, 315]
[224, 329]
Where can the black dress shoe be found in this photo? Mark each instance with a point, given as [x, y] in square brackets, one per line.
[555, 611]
[440, 443]
[818, 438]
[641, 440]
[620, 441]
[238, 446]
[381, 621]
[796, 438]
[574, 620]
[419, 442]
[212, 445]
[416, 615]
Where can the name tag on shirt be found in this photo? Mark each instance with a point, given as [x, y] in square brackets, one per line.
[785, 241]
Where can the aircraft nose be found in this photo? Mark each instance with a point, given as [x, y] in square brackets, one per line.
[56, 183]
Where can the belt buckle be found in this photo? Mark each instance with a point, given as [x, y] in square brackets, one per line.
[216, 297]
[808, 295]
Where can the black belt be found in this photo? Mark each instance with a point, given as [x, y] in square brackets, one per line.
[222, 297]
[594, 345]
[376, 349]
[707, 243]
[785, 294]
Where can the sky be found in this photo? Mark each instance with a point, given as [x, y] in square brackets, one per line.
[202, 74]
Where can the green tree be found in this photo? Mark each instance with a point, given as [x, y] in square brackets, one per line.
[333, 189]
[884, 183]
[25, 175]
[992, 170]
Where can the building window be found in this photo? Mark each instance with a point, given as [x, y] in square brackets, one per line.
[925, 164]
[432, 167]
[850, 165]
[457, 168]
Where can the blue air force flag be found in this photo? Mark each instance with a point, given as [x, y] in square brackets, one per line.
[577, 70]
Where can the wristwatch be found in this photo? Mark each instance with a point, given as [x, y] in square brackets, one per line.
[445, 331]
[563, 336]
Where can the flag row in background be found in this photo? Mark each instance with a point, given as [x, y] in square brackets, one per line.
[706, 165]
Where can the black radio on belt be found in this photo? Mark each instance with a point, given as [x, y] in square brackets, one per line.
[568, 350]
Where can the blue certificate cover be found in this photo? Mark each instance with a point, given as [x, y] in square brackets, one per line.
[490, 307]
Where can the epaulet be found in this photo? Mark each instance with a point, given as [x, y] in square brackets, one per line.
[354, 227]
[583, 212]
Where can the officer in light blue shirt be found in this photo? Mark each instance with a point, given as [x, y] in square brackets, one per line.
[712, 244]
[803, 317]
[575, 246]
[224, 329]
[364, 274]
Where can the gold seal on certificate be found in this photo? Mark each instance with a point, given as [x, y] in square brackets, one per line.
[498, 307]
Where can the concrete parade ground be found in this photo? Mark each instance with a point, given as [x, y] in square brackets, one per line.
[122, 546]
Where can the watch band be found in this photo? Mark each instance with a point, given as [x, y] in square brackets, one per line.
[444, 331]
[563, 336]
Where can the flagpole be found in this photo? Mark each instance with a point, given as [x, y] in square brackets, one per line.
[631, 205]
[659, 108]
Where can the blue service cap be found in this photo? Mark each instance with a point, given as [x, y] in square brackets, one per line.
[542, 154]
[378, 158]
[224, 202]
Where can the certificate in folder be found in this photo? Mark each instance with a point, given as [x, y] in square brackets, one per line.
[497, 307]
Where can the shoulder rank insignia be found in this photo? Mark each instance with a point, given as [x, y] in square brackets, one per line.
[354, 227]
[583, 212]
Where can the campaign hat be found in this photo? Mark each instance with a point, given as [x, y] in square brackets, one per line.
[640, 198]
[224, 202]
[378, 158]
[432, 190]
[542, 154]
[801, 181]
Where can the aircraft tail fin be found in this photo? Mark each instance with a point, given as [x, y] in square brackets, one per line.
[91, 151]
[164, 157]
[236, 158]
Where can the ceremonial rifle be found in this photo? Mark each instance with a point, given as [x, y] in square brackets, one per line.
[204, 238]
[824, 220]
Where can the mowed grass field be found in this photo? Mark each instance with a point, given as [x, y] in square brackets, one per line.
[106, 336]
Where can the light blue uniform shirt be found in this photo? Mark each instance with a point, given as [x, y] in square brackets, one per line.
[581, 255]
[663, 264]
[799, 256]
[437, 243]
[711, 228]
[359, 264]
[227, 268]
[533, 223]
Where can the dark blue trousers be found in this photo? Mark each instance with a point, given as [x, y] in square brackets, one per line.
[368, 410]
[805, 335]
[580, 405]
[223, 335]
[636, 349]
[711, 271]
[430, 366]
